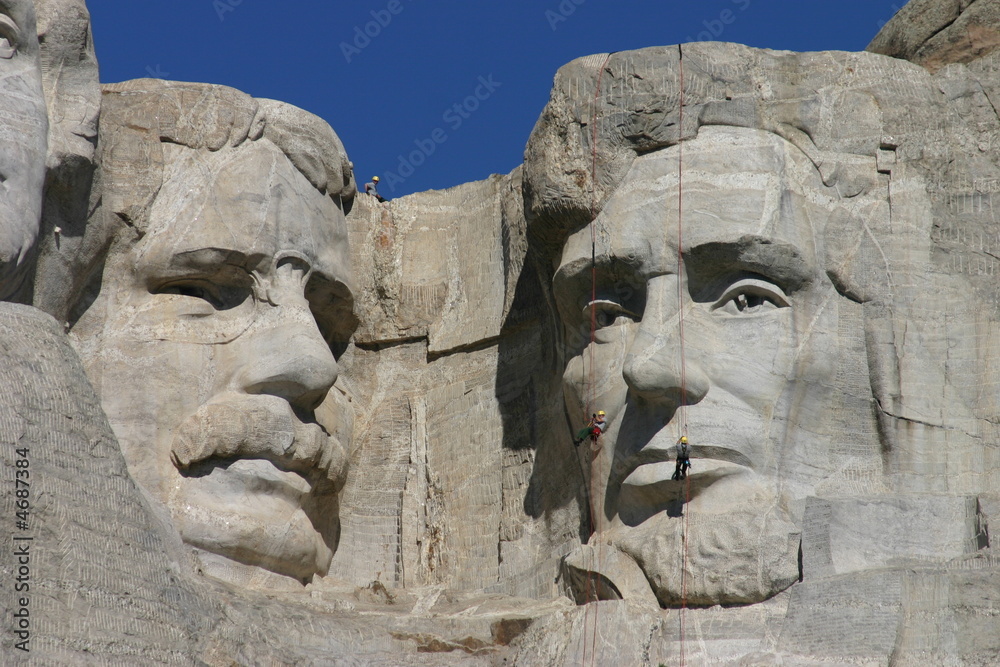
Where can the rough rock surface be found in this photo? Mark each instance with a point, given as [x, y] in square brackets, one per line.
[100, 577]
[856, 246]
[838, 272]
[935, 33]
[450, 375]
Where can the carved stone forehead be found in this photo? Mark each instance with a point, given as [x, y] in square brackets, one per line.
[737, 183]
[250, 200]
[605, 110]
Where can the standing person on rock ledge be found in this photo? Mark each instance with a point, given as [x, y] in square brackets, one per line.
[371, 188]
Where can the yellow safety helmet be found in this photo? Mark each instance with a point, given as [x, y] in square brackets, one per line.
[684, 440]
[375, 179]
[600, 413]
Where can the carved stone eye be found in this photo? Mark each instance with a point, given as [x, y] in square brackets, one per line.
[606, 313]
[8, 38]
[751, 296]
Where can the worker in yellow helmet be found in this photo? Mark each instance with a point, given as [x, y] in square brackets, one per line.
[683, 458]
[371, 188]
[595, 427]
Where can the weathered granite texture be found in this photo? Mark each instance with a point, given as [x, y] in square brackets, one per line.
[451, 374]
[23, 128]
[835, 270]
[219, 296]
[102, 577]
[50, 123]
[935, 33]
[816, 324]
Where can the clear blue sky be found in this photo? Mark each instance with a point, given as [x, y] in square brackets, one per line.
[385, 92]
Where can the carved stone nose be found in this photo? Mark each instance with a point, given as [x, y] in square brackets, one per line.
[286, 356]
[654, 368]
[297, 366]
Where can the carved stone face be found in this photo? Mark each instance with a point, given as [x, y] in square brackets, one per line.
[211, 350]
[733, 316]
[23, 128]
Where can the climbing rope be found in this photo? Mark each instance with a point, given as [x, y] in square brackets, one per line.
[681, 412]
[591, 587]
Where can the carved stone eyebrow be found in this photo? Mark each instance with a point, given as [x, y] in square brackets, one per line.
[208, 259]
[782, 263]
[618, 279]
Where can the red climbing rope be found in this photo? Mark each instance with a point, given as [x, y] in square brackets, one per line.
[591, 391]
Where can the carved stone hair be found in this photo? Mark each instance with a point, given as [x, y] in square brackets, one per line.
[839, 111]
[138, 116]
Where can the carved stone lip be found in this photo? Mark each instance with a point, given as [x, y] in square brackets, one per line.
[256, 427]
[653, 455]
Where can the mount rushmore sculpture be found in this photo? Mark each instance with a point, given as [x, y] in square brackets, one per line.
[258, 417]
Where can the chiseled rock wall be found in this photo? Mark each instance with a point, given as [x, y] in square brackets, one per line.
[463, 488]
[103, 576]
[447, 376]
[890, 479]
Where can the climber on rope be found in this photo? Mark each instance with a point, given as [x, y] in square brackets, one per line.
[594, 428]
[683, 460]
[371, 188]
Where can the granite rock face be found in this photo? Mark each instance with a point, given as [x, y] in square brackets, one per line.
[451, 377]
[221, 286]
[24, 124]
[934, 34]
[789, 315]
[319, 429]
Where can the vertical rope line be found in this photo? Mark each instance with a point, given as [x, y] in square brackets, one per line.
[591, 388]
[682, 406]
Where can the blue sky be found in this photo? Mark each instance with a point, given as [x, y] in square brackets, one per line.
[387, 74]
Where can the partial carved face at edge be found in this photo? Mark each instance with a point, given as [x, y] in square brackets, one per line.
[747, 298]
[23, 129]
[215, 351]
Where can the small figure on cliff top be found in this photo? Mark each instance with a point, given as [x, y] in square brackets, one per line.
[371, 188]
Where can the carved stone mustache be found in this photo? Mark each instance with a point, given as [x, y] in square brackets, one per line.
[258, 427]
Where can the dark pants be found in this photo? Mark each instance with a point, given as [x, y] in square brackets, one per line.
[683, 463]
